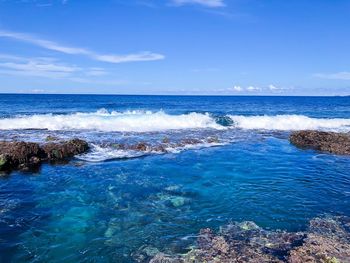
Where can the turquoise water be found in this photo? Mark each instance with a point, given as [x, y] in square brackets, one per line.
[108, 205]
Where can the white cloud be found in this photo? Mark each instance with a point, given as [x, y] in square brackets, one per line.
[273, 87]
[237, 88]
[111, 58]
[252, 88]
[207, 3]
[344, 75]
[143, 56]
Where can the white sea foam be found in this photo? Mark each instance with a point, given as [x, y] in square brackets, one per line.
[290, 123]
[102, 120]
[100, 154]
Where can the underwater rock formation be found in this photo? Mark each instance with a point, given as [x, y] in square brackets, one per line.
[327, 240]
[332, 142]
[27, 155]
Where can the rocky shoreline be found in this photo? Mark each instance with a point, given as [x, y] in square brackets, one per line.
[331, 142]
[20, 155]
[28, 155]
[327, 240]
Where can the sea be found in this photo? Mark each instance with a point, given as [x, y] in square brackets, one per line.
[208, 161]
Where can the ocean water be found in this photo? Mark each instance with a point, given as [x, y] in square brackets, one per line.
[111, 203]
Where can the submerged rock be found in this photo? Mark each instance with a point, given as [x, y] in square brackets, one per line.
[332, 142]
[327, 240]
[26, 155]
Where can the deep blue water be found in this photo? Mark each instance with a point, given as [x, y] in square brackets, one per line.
[105, 206]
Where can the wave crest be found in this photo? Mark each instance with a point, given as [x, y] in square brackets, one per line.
[289, 123]
[102, 120]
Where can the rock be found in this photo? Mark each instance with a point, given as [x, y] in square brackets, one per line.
[141, 146]
[327, 240]
[213, 139]
[332, 142]
[190, 141]
[51, 138]
[27, 155]
[162, 258]
[166, 140]
[19, 155]
[4, 160]
[63, 150]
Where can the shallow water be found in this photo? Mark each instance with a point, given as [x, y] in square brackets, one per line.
[104, 206]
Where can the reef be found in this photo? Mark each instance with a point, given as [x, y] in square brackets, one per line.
[327, 240]
[29, 155]
[332, 142]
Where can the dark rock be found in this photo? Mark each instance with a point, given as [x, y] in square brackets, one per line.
[165, 140]
[27, 155]
[63, 150]
[214, 139]
[189, 141]
[19, 155]
[332, 142]
[4, 162]
[159, 148]
[141, 146]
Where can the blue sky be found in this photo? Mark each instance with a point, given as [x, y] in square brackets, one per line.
[222, 47]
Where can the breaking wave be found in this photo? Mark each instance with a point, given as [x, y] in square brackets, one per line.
[289, 123]
[102, 120]
[148, 121]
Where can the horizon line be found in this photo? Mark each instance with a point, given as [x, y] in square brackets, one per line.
[181, 95]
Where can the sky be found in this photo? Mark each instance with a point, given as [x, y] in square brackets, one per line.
[190, 47]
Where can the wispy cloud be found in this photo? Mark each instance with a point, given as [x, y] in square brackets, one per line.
[206, 3]
[44, 67]
[110, 58]
[344, 75]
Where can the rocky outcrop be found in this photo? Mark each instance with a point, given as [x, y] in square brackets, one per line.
[57, 151]
[332, 142]
[326, 241]
[26, 155]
